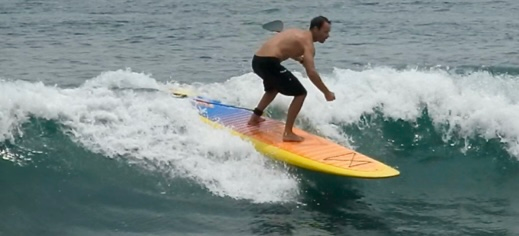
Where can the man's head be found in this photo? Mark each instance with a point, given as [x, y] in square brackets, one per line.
[320, 27]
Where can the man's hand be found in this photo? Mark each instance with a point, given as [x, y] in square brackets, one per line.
[329, 96]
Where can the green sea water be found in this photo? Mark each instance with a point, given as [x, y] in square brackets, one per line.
[91, 142]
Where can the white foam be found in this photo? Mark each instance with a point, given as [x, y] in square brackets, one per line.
[122, 79]
[149, 126]
[477, 104]
[158, 127]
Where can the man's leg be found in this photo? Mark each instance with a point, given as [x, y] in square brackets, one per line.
[293, 110]
[267, 98]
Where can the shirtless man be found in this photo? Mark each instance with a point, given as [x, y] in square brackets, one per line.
[299, 45]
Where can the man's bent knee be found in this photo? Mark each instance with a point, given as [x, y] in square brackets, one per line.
[300, 97]
[302, 93]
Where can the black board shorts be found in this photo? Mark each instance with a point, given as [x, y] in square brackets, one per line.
[276, 77]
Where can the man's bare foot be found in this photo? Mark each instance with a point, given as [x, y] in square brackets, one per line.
[255, 120]
[291, 137]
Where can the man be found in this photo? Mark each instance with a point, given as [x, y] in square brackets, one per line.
[299, 45]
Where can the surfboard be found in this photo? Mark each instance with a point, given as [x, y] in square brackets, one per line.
[315, 153]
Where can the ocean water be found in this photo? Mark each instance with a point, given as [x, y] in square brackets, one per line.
[92, 143]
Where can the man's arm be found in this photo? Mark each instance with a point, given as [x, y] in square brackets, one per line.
[309, 65]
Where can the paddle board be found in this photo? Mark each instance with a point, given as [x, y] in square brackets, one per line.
[314, 153]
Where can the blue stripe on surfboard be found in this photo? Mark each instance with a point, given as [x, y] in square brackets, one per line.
[213, 109]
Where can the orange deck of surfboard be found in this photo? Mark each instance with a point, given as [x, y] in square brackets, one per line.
[314, 153]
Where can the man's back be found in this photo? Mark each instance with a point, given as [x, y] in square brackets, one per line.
[286, 44]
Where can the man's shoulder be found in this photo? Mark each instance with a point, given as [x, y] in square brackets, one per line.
[293, 31]
[301, 35]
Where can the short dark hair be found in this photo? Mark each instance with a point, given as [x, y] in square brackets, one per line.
[318, 22]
